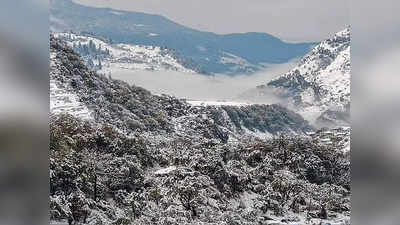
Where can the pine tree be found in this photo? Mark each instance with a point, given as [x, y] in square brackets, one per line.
[92, 46]
[90, 63]
[99, 65]
[85, 50]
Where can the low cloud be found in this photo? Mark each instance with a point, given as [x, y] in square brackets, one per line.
[201, 87]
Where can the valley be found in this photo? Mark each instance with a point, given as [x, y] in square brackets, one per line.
[147, 158]
[152, 122]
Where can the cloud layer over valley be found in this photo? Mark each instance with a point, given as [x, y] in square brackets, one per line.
[199, 87]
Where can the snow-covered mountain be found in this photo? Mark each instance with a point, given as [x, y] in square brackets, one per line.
[106, 57]
[319, 86]
[140, 158]
[132, 109]
[229, 54]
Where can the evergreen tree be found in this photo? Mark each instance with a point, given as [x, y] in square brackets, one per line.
[90, 63]
[92, 46]
[99, 65]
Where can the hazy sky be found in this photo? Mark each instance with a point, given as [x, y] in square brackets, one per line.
[291, 20]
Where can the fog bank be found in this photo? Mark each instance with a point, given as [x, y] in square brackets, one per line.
[200, 87]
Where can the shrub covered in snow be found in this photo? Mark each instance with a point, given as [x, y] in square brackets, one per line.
[146, 159]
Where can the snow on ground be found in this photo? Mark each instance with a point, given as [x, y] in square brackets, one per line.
[216, 103]
[129, 56]
[338, 137]
[336, 79]
[239, 63]
[229, 58]
[327, 67]
[165, 170]
[257, 133]
[58, 222]
[62, 101]
[118, 13]
[246, 201]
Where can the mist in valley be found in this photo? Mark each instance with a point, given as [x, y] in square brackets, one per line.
[218, 87]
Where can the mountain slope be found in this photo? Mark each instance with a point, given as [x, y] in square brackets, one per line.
[134, 109]
[230, 54]
[319, 86]
[138, 158]
[105, 57]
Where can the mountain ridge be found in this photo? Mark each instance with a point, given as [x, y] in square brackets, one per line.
[106, 57]
[204, 48]
[319, 86]
[132, 108]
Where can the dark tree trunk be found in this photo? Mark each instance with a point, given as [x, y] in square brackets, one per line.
[95, 187]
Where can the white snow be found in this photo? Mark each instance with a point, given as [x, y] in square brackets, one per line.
[58, 222]
[129, 56]
[338, 137]
[215, 103]
[64, 101]
[247, 198]
[231, 58]
[165, 170]
[327, 66]
[116, 13]
[257, 133]
[240, 63]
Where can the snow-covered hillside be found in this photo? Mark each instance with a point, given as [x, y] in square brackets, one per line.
[132, 108]
[61, 99]
[155, 159]
[236, 63]
[319, 86]
[338, 137]
[215, 103]
[106, 57]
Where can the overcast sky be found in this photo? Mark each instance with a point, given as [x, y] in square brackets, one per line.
[291, 20]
